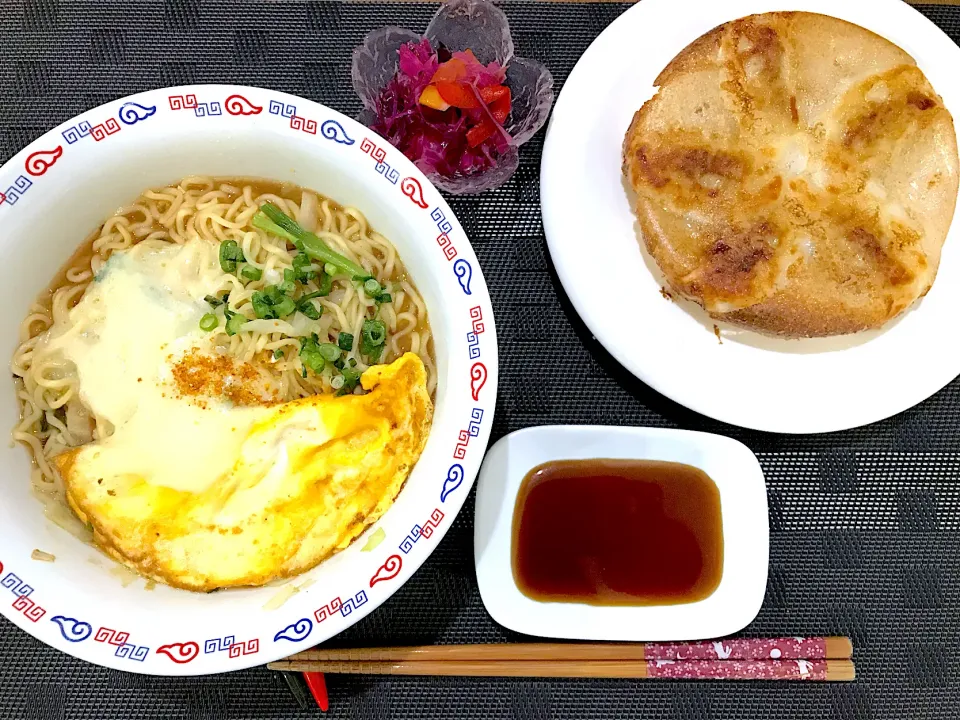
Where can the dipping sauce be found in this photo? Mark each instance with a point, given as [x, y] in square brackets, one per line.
[617, 532]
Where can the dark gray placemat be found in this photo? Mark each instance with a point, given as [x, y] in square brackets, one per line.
[864, 523]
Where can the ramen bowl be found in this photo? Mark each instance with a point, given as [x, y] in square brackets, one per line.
[61, 187]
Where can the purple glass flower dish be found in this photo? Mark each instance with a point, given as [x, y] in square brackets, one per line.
[456, 100]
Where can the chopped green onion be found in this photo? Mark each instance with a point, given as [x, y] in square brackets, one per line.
[311, 359]
[234, 323]
[302, 269]
[278, 353]
[260, 220]
[262, 306]
[249, 272]
[374, 332]
[351, 378]
[330, 269]
[376, 537]
[271, 303]
[373, 542]
[310, 354]
[230, 255]
[345, 341]
[311, 244]
[209, 322]
[273, 293]
[306, 306]
[288, 286]
[384, 298]
[329, 351]
[325, 284]
[372, 339]
[213, 300]
[285, 307]
[372, 288]
[336, 382]
[304, 371]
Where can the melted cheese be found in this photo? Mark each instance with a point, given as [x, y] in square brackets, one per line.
[143, 312]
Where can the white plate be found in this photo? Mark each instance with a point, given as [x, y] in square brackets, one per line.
[778, 385]
[55, 192]
[743, 506]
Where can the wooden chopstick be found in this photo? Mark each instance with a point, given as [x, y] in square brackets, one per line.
[823, 658]
[800, 669]
[293, 682]
[832, 648]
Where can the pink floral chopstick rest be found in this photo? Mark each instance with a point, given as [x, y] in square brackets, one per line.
[390, 92]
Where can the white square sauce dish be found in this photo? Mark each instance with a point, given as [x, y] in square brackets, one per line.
[739, 481]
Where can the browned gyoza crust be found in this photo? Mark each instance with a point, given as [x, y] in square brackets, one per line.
[795, 174]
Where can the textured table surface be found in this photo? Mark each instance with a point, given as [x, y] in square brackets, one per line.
[865, 524]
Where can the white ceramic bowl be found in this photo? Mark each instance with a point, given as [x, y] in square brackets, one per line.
[55, 192]
[743, 509]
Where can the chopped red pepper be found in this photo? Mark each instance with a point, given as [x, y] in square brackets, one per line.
[450, 71]
[500, 108]
[460, 96]
[493, 93]
[480, 133]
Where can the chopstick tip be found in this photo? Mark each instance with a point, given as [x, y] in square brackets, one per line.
[318, 688]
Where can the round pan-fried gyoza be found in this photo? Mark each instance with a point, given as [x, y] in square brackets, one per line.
[795, 174]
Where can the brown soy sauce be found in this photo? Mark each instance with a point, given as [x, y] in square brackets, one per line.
[617, 532]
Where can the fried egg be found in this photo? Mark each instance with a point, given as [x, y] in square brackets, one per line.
[207, 493]
[306, 479]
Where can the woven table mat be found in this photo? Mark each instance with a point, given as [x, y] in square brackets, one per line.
[865, 524]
